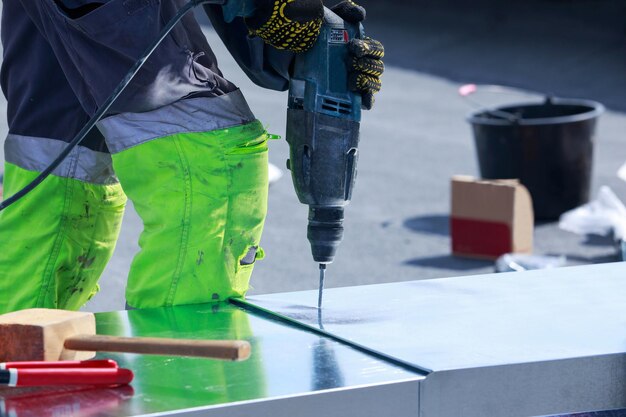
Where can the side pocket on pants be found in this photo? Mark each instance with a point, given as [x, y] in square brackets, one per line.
[247, 207]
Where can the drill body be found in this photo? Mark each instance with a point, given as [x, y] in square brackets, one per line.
[323, 119]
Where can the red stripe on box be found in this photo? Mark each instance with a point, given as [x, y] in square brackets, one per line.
[479, 237]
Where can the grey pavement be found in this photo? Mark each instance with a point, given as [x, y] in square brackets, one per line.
[417, 138]
[562, 47]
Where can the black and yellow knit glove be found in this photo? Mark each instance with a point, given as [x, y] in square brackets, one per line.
[367, 55]
[287, 24]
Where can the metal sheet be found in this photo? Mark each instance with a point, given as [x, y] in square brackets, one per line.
[287, 368]
[474, 321]
[520, 344]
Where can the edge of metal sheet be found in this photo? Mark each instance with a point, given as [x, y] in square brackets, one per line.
[320, 332]
[553, 388]
[400, 399]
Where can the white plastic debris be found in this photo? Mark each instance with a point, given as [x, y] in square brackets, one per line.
[517, 262]
[602, 216]
[622, 172]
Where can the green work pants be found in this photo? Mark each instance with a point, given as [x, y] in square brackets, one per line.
[55, 242]
[202, 197]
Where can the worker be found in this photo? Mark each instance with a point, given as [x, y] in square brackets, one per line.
[181, 143]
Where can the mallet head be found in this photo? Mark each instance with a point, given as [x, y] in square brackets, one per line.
[38, 334]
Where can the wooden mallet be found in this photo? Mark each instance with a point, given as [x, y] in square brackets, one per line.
[41, 334]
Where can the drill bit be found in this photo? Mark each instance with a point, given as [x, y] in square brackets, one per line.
[321, 289]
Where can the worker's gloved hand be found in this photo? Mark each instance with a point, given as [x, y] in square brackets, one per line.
[367, 64]
[287, 24]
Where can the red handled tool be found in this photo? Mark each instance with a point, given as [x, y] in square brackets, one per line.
[37, 373]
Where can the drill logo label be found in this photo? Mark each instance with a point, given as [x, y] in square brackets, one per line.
[339, 36]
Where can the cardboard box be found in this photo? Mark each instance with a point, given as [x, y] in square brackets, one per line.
[490, 218]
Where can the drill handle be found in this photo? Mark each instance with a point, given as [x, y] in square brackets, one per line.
[319, 83]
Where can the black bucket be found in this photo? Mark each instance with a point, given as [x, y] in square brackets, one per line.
[547, 146]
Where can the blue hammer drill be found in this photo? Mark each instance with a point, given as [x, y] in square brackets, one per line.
[323, 120]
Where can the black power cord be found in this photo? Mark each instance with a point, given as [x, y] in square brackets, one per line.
[108, 103]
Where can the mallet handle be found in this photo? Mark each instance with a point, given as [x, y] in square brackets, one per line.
[217, 349]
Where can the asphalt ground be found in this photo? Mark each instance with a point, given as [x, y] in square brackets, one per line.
[417, 138]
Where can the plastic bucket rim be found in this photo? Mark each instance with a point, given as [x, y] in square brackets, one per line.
[595, 110]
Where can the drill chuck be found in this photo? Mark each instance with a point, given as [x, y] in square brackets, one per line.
[325, 232]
